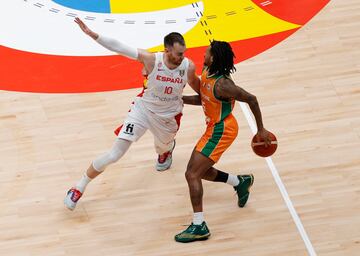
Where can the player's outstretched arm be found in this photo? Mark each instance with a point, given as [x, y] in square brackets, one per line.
[145, 57]
[109, 43]
[226, 89]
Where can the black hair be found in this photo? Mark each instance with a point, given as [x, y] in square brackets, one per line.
[172, 38]
[223, 58]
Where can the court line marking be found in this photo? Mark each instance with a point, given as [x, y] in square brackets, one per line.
[253, 128]
[280, 184]
[198, 13]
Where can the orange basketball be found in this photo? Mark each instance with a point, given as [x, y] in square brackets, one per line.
[259, 146]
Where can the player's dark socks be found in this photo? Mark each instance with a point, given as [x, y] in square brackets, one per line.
[221, 177]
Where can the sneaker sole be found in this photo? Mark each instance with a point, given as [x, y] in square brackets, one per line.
[161, 170]
[68, 204]
[252, 181]
[202, 238]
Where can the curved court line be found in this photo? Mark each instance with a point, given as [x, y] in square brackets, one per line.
[32, 72]
[46, 64]
[199, 22]
[298, 11]
[49, 28]
[280, 185]
[123, 6]
[217, 21]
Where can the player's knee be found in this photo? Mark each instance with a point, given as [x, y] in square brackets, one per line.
[103, 161]
[99, 164]
[190, 175]
[113, 157]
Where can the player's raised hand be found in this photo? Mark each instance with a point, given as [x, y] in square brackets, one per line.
[86, 29]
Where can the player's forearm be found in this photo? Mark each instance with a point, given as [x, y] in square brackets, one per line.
[255, 109]
[192, 100]
[118, 47]
[93, 35]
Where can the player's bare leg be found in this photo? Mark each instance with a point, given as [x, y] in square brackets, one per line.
[200, 167]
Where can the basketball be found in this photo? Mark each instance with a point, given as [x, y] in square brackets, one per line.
[258, 146]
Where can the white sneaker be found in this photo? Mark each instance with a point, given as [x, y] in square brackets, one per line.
[72, 197]
[164, 161]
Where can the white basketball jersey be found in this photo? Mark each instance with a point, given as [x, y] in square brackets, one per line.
[163, 93]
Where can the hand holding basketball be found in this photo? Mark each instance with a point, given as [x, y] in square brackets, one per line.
[264, 143]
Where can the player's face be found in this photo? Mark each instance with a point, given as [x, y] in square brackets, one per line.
[207, 57]
[175, 53]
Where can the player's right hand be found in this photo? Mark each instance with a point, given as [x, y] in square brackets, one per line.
[83, 26]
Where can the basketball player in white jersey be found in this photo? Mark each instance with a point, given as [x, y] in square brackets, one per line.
[158, 108]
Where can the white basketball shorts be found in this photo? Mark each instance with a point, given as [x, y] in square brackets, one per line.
[140, 119]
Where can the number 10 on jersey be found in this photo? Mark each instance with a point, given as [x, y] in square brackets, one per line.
[168, 90]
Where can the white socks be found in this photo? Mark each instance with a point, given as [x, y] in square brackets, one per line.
[81, 185]
[233, 180]
[198, 218]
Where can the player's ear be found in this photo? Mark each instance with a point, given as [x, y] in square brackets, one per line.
[166, 50]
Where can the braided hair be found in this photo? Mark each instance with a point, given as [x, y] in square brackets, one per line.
[223, 58]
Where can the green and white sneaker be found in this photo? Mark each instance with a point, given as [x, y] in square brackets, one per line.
[243, 189]
[193, 233]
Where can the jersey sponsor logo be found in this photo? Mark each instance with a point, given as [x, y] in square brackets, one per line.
[182, 72]
[165, 99]
[129, 129]
[169, 79]
[160, 67]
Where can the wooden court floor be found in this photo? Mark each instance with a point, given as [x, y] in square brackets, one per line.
[308, 88]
